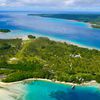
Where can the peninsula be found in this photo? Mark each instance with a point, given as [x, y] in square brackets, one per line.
[44, 58]
[92, 19]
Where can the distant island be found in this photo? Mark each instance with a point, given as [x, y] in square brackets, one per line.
[93, 19]
[44, 58]
[95, 25]
[4, 30]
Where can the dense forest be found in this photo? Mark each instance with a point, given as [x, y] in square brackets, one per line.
[44, 58]
[94, 19]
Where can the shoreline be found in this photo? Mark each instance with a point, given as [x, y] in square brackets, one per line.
[90, 83]
[60, 40]
[17, 90]
[25, 37]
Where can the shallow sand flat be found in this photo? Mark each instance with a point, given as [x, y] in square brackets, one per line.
[4, 95]
[11, 91]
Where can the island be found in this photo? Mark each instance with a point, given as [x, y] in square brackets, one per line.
[95, 25]
[4, 30]
[40, 57]
[92, 19]
[31, 37]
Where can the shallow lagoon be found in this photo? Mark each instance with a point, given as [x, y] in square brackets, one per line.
[47, 90]
[67, 30]
[42, 90]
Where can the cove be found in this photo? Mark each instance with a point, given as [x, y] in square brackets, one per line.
[42, 90]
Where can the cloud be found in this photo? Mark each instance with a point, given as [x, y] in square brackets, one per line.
[52, 4]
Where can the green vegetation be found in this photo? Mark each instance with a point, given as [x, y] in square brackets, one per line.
[95, 25]
[31, 37]
[43, 58]
[93, 19]
[5, 30]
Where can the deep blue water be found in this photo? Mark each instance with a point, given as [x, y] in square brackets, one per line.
[41, 90]
[76, 32]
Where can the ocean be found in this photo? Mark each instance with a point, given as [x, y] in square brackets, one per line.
[75, 32]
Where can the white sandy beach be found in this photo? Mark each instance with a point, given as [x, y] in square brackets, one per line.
[11, 91]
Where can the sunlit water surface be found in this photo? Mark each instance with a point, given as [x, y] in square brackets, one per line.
[21, 24]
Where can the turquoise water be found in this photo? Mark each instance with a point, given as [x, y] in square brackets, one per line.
[42, 90]
[72, 31]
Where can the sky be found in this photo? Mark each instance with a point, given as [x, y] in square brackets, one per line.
[51, 5]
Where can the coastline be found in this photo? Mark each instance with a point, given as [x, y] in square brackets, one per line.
[90, 83]
[16, 90]
[24, 37]
[58, 40]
